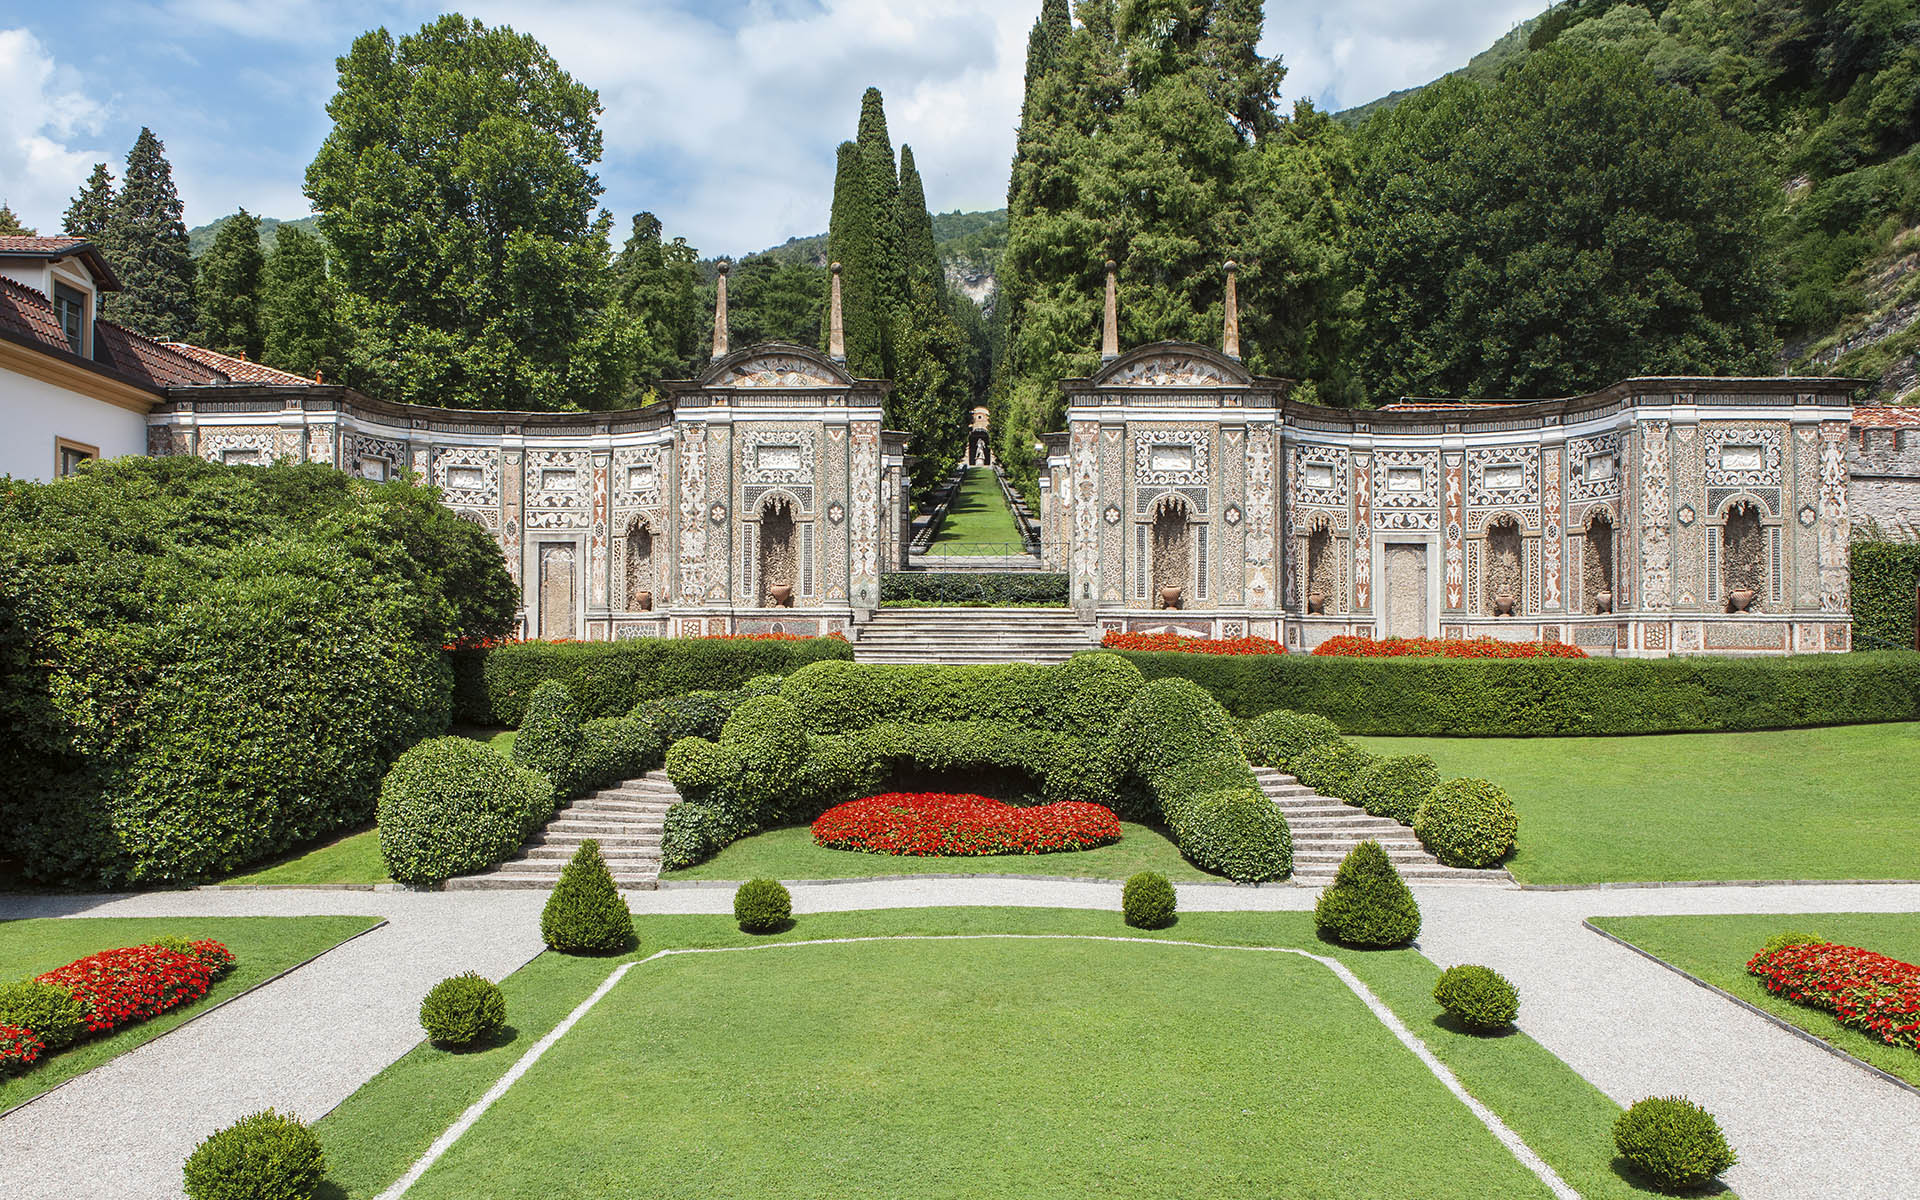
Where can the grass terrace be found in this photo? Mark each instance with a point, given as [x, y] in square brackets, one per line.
[1717, 949]
[978, 522]
[1834, 803]
[1056, 1068]
[263, 947]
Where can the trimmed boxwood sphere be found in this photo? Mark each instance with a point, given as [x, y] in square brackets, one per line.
[1478, 997]
[1147, 901]
[462, 1009]
[1467, 823]
[762, 905]
[265, 1156]
[50, 1013]
[1673, 1142]
[452, 805]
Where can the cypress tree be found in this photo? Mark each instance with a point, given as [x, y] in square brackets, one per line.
[298, 306]
[10, 225]
[883, 183]
[918, 252]
[231, 274]
[850, 243]
[92, 205]
[146, 241]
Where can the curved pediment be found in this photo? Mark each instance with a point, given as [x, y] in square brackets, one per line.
[1172, 365]
[776, 365]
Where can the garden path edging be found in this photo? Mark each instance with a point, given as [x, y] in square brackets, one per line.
[1624, 884]
[1804, 1035]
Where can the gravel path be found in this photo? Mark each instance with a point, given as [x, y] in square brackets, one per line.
[1804, 1122]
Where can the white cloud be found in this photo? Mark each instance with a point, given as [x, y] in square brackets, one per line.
[1347, 54]
[44, 127]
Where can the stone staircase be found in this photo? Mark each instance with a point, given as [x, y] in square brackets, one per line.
[973, 635]
[626, 819]
[1326, 830]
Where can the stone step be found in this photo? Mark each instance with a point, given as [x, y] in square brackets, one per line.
[493, 882]
[609, 845]
[646, 853]
[594, 829]
[549, 868]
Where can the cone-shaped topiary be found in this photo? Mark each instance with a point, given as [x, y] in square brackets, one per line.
[762, 906]
[462, 1009]
[585, 914]
[1368, 903]
[1673, 1141]
[1480, 998]
[265, 1156]
[1147, 902]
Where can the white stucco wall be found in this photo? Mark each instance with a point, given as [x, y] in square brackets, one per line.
[34, 413]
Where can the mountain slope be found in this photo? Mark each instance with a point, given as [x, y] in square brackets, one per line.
[201, 236]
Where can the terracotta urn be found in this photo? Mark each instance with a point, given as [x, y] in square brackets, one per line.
[1603, 602]
[1170, 597]
[781, 594]
[1316, 603]
[1739, 599]
[1503, 604]
[643, 602]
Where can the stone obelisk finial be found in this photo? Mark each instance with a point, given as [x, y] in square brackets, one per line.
[1110, 328]
[836, 327]
[1230, 334]
[720, 315]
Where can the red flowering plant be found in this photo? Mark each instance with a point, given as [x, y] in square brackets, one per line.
[1357, 646]
[119, 987]
[769, 637]
[1877, 995]
[917, 824]
[1115, 640]
[18, 1049]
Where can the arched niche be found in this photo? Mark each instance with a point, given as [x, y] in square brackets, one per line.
[1503, 567]
[642, 577]
[779, 559]
[1322, 565]
[1743, 556]
[1597, 562]
[1171, 551]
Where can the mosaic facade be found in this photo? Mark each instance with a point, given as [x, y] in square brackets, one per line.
[1659, 516]
[670, 519]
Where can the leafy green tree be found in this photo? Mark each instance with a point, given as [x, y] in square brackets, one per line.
[10, 225]
[770, 300]
[299, 306]
[457, 194]
[931, 392]
[231, 275]
[92, 206]
[883, 184]
[850, 242]
[1577, 224]
[657, 284]
[918, 255]
[146, 241]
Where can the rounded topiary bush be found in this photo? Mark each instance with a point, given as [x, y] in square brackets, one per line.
[265, 1156]
[1396, 787]
[1467, 823]
[1147, 901]
[463, 1009]
[1673, 1142]
[50, 1013]
[1368, 904]
[585, 914]
[1278, 738]
[550, 738]
[762, 906]
[1333, 769]
[452, 805]
[1480, 998]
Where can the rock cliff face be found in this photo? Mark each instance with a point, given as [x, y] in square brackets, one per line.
[970, 277]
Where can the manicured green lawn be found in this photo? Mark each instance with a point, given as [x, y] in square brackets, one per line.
[978, 515]
[977, 1068]
[354, 858]
[1834, 803]
[1717, 950]
[791, 854]
[499, 739]
[263, 947]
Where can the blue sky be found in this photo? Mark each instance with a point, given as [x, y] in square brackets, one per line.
[721, 117]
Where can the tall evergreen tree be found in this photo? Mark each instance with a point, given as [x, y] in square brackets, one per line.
[10, 225]
[146, 241]
[931, 392]
[457, 193]
[657, 287]
[92, 206]
[299, 306]
[850, 243]
[231, 274]
[883, 183]
[917, 249]
[773, 301]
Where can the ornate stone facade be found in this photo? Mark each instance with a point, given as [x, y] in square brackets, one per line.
[1176, 463]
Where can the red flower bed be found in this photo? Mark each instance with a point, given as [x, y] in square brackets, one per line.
[18, 1049]
[120, 987]
[924, 823]
[1191, 645]
[1867, 991]
[1355, 646]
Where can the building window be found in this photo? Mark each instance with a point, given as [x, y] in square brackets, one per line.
[67, 456]
[70, 308]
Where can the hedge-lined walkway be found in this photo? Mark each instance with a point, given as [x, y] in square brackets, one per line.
[1804, 1122]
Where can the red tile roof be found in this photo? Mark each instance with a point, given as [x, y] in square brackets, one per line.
[1886, 417]
[31, 244]
[24, 312]
[238, 370]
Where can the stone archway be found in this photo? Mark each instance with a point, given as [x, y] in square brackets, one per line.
[778, 559]
[1743, 556]
[642, 589]
[1596, 563]
[1171, 561]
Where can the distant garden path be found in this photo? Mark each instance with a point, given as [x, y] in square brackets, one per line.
[1804, 1121]
[978, 522]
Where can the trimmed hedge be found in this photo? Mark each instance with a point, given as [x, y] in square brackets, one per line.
[1396, 787]
[1079, 696]
[607, 679]
[987, 589]
[1276, 739]
[1467, 823]
[452, 805]
[1883, 578]
[50, 1013]
[1334, 769]
[1673, 1142]
[550, 739]
[1554, 696]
